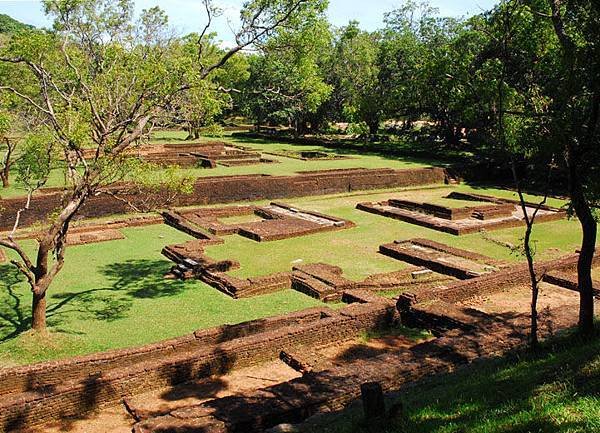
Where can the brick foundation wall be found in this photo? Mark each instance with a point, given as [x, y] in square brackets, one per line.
[213, 190]
[486, 284]
[41, 393]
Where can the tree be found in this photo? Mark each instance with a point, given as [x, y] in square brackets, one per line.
[286, 81]
[101, 78]
[512, 45]
[552, 99]
[208, 98]
[10, 25]
[575, 118]
[7, 147]
[354, 76]
[425, 60]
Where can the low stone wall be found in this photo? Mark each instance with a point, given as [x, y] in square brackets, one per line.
[49, 374]
[93, 227]
[449, 213]
[327, 283]
[479, 221]
[180, 223]
[214, 190]
[41, 393]
[569, 281]
[486, 284]
[425, 255]
[333, 389]
[245, 288]
[91, 237]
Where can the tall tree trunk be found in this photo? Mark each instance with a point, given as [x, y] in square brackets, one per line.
[535, 289]
[373, 127]
[6, 164]
[38, 310]
[576, 163]
[584, 264]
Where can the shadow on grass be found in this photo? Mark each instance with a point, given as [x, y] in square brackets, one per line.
[14, 316]
[555, 390]
[409, 152]
[130, 280]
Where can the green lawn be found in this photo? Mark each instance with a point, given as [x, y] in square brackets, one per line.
[557, 391]
[283, 167]
[113, 294]
[355, 249]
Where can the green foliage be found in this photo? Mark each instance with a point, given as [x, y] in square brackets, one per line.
[152, 178]
[354, 74]
[37, 160]
[287, 82]
[10, 25]
[5, 123]
[214, 130]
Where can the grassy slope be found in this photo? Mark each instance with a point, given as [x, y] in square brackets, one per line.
[112, 295]
[555, 392]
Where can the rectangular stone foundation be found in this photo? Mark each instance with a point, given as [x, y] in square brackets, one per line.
[455, 223]
[441, 258]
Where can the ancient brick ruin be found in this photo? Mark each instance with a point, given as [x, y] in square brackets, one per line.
[463, 335]
[92, 232]
[276, 221]
[443, 289]
[327, 283]
[318, 343]
[40, 393]
[321, 281]
[442, 258]
[230, 189]
[308, 155]
[492, 214]
[195, 155]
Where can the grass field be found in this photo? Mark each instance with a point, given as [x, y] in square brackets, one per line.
[113, 294]
[556, 391]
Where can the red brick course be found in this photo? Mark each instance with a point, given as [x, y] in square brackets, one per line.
[479, 220]
[423, 256]
[37, 394]
[213, 190]
[476, 336]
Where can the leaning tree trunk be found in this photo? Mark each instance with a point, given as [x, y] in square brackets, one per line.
[4, 176]
[45, 269]
[39, 289]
